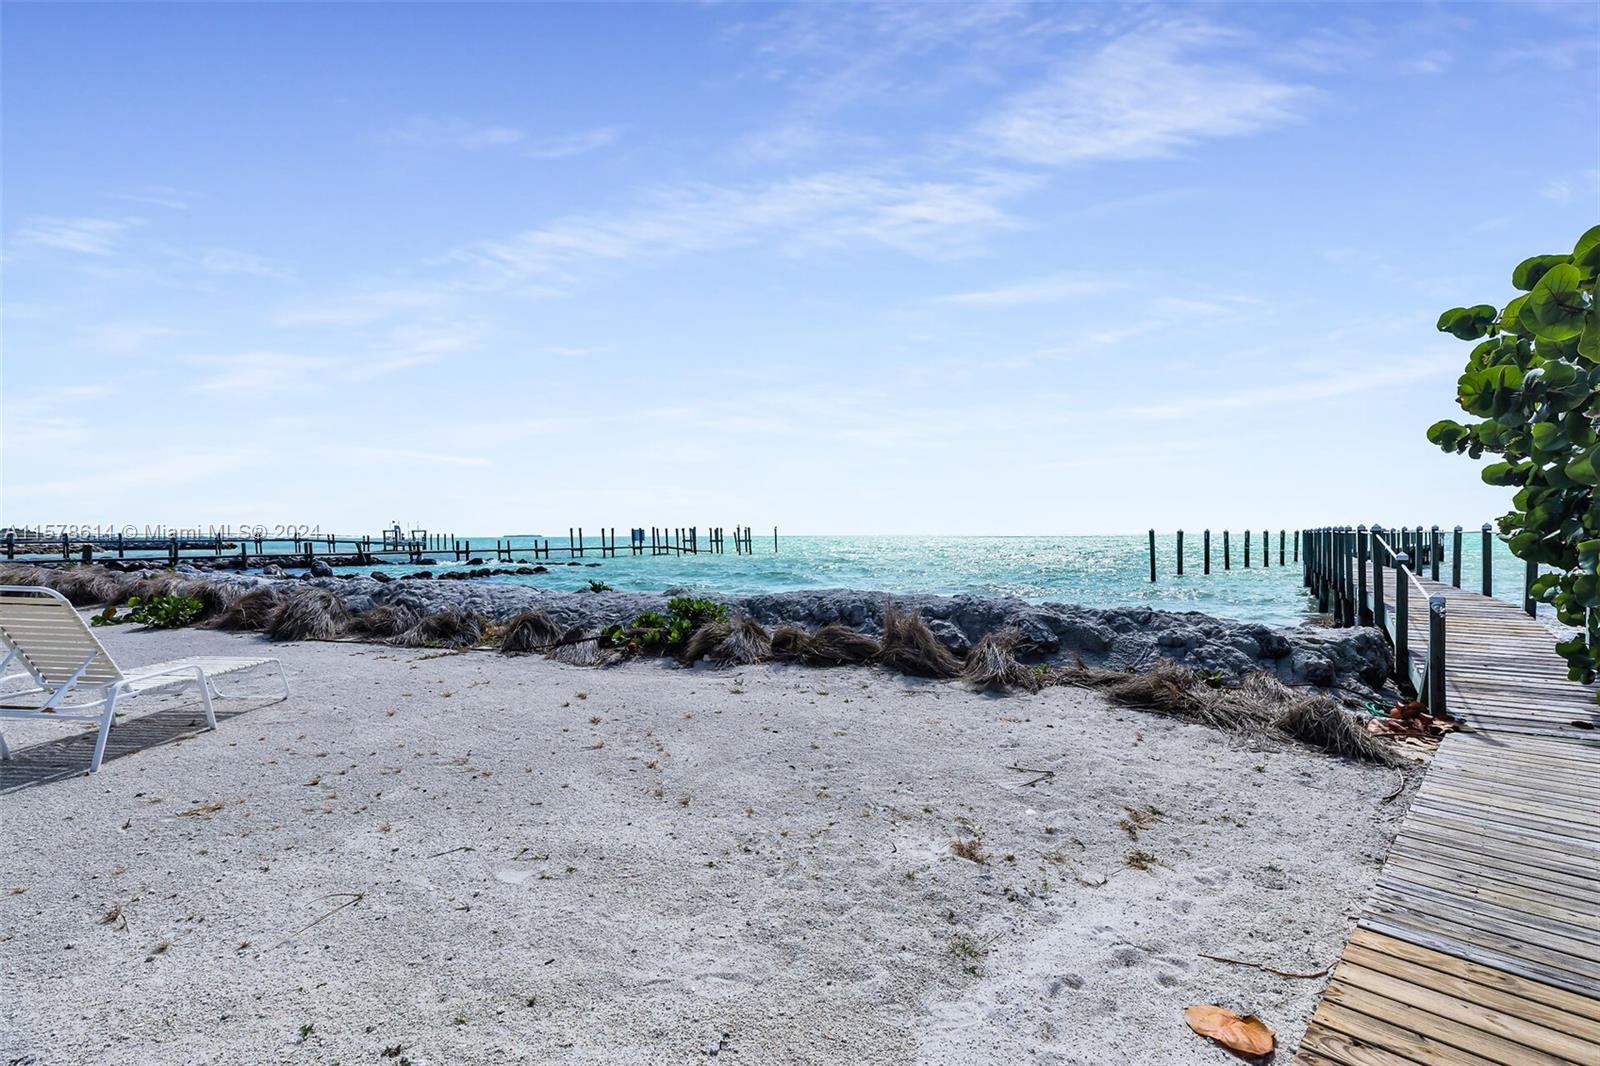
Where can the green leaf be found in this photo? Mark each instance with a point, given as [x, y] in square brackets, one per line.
[1468, 323]
[1582, 470]
[1502, 474]
[1586, 253]
[1449, 434]
[1549, 436]
[1530, 270]
[1554, 310]
[1589, 340]
[1589, 555]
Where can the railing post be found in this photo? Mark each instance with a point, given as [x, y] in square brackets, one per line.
[1435, 549]
[1363, 609]
[1436, 698]
[1347, 571]
[1488, 561]
[1227, 552]
[1206, 542]
[1247, 549]
[1455, 557]
[1297, 545]
[1266, 548]
[1530, 575]
[1152, 556]
[1380, 611]
[1281, 536]
[1402, 615]
[1180, 553]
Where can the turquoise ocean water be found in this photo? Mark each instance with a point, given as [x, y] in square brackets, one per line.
[1102, 571]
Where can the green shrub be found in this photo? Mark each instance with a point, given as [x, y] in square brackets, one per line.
[165, 612]
[1533, 379]
[659, 633]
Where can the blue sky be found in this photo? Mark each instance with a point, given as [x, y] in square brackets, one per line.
[927, 268]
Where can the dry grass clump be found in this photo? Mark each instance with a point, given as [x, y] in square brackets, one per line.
[86, 586]
[839, 645]
[308, 614]
[971, 849]
[1322, 723]
[449, 628]
[737, 643]
[910, 647]
[790, 644]
[385, 621]
[251, 611]
[529, 631]
[992, 663]
[577, 647]
[24, 574]
[1260, 703]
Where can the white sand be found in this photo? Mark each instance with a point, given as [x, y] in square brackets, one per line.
[751, 864]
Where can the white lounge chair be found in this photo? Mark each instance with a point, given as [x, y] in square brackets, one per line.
[65, 666]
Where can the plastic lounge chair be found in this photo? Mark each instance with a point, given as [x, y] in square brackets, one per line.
[64, 664]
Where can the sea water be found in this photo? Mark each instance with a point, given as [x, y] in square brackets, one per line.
[1093, 571]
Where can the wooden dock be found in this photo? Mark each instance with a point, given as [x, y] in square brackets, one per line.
[1481, 942]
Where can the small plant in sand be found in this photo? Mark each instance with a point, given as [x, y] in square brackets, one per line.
[1139, 859]
[652, 632]
[159, 612]
[971, 849]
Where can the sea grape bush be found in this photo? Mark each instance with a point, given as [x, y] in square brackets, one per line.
[660, 633]
[158, 612]
[1533, 380]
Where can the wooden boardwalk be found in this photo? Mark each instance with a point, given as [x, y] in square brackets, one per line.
[1481, 942]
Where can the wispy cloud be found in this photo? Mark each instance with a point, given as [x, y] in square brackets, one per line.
[1435, 61]
[1037, 291]
[1310, 390]
[158, 196]
[817, 210]
[230, 261]
[1147, 94]
[363, 308]
[450, 133]
[572, 144]
[85, 236]
[1565, 189]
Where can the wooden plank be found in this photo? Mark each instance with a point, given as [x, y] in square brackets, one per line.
[1441, 1030]
[1568, 1003]
[1581, 1036]
[1338, 1034]
[1482, 1011]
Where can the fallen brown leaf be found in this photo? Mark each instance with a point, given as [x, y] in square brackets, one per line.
[1247, 1036]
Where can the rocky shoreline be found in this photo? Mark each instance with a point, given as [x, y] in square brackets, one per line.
[1355, 659]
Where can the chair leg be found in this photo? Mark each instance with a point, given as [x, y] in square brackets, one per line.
[203, 683]
[105, 732]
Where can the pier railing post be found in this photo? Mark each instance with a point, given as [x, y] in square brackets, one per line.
[1205, 541]
[1379, 610]
[1436, 698]
[1402, 616]
[1281, 536]
[1180, 553]
[1227, 552]
[1363, 609]
[1435, 549]
[1152, 556]
[1488, 561]
[1348, 568]
[1247, 549]
[1455, 557]
[1530, 575]
[1266, 548]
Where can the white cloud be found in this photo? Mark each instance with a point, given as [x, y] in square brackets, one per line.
[1144, 95]
[1432, 62]
[564, 147]
[1348, 381]
[817, 210]
[437, 133]
[86, 236]
[363, 308]
[1565, 190]
[254, 373]
[1037, 291]
[229, 261]
[122, 338]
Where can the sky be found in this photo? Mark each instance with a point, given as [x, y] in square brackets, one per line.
[931, 268]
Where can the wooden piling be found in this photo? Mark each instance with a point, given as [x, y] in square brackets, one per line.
[1205, 539]
[1180, 553]
[1227, 552]
[1247, 549]
[1152, 556]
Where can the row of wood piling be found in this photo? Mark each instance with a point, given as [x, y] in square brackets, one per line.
[1284, 548]
[392, 545]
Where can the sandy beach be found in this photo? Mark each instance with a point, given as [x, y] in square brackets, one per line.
[463, 857]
